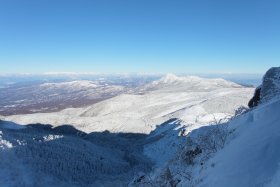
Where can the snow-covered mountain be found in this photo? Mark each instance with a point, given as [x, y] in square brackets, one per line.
[242, 152]
[180, 131]
[171, 82]
[192, 99]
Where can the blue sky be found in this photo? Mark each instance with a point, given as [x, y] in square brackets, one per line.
[180, 36]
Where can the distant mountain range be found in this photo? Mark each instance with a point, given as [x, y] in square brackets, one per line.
[144, 107]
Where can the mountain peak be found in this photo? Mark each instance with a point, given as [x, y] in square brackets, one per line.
[169, 78]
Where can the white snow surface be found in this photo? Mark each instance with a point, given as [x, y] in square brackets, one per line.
[194, 100]
[252, 158]
[249, 155]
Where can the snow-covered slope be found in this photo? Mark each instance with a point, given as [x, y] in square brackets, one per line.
[39, 155]
[251, 158]
[242, 152]
[192, 99]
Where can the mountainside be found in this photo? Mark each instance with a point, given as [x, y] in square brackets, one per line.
[39, 155]
[241, 152]
[252, 157]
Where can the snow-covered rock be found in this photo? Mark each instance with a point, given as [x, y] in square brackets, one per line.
[271, 84]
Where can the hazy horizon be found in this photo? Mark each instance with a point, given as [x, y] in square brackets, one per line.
[246, 79]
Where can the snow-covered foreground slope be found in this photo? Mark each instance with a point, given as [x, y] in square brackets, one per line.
[192, 99]
[252, 158]
[243, 152]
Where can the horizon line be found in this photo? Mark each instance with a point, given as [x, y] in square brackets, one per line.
[66, 73]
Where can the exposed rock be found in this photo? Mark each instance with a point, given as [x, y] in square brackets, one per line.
[256, 98]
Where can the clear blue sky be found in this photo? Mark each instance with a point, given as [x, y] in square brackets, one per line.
[180, 36]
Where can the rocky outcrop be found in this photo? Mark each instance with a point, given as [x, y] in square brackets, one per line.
[271, 84]
[269, 89]
[256, 98]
